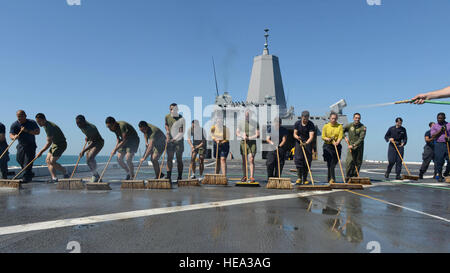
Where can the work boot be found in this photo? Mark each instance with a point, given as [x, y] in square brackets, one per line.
[398, 177]
[445, 173]
[386, 175]
[66, 175]
[128, 177]
[298, 181]
[421, 175]
[169, 175]
[441, 178]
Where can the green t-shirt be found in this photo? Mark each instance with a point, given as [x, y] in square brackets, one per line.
[127, 129]
[52, 130]
[170, 121]
[248, 127]
[155, 134]
[92, 133]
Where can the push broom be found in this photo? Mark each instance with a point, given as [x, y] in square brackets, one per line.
[72, 183]
[215, 179]
[134, 184]
[6, 183]
[247, 184]
[100, 186]
[311, 187]
[188, 182]
[344, 185]
[160, 183]
[358, 179]
[278, 182]
[14, 182]
[409, 176]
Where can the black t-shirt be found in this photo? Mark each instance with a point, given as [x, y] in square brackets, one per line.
[429, 144]
[25, 139]
[303, 131]
[281, 133]
[3, 144]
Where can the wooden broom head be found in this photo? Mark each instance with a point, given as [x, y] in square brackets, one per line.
[11, 184]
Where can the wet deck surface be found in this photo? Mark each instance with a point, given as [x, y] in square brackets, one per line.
[400, 216]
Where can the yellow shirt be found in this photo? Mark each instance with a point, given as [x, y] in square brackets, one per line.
[334, 132]
[218, 134]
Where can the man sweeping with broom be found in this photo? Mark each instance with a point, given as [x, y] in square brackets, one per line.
[25, 131]
[56, 141]
[94, 142]
[304, 131]
[398, 135]
[197, 141]
[277, 137]
[3, 146]
[440, 132]
[356, 134]
[155, 142]
[332, 134]
[127, 144]
[175, 128]
[248, 131]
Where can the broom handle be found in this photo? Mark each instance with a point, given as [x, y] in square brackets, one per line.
[339, 159]
[106, 167]
[137, 171]
[78, 161]
[307, 164]
[162, 162]
[190, 167]
[5, 151]
[356, 168]
[404, 164]
[26, 167]
[278, 158]
[245, 151]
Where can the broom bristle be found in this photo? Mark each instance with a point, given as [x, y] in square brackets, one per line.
[159, 184]
[13, 184]
[411, 177]
[279, 183]
[188, 182]
[215, 179]
[70, 184]
[98, 186]
[314, 188]
[346, 186]
[133, 184]
[359, 180]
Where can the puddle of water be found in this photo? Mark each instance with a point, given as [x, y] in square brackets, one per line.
[83, 227]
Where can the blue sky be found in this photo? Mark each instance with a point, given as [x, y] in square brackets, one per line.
[131, 59]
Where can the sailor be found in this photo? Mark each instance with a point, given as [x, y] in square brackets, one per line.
[175, 128]
[248, 131]
[155, 141]
[3, 146]
[332, 134]
[127, 144]
[398, 135]
[94, 145]
[277, 137]
[220, 134]
[197, 141]
[304, 130]
[428, 153]
[26, 148]
[356, 134]
[56, 141]
[440, 132]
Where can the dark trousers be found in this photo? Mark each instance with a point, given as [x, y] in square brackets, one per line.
[394, 159]
[427, 156]
[440, 155]
[272, 162]
[330, 156]
[300, 162]
[24, 156]
[4, 166]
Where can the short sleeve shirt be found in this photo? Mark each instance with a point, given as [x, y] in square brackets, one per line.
[248, 127]
[171, 121]
[52, 130]
[303, 131]
[197, 135]
[431, 143]
[155, 134]
[92, 133]
[127, 129]
[25, 139]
